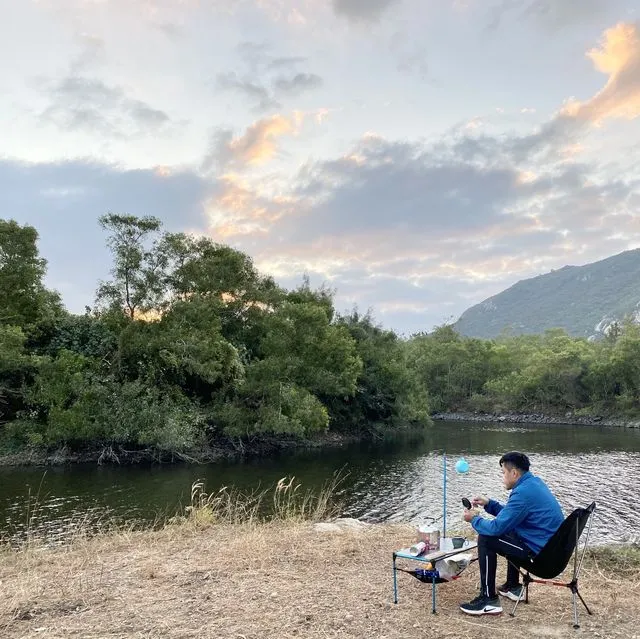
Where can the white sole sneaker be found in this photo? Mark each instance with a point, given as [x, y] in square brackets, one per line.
[509, 595]
[487, 610]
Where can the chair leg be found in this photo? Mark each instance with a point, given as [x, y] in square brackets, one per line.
[513, 612]
[526, 580]
[584, 603]
[523, 591]
[576, 625]
[577, 565]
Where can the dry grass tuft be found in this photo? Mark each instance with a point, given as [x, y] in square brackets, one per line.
[278, 579]
[287, 501]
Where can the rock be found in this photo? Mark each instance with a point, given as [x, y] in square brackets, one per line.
[326, 527]
[340, 525]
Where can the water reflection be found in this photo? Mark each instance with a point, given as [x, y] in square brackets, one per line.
[399, 479]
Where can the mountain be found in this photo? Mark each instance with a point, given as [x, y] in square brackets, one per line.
[584, 300]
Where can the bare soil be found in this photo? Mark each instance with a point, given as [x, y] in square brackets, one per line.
[283, 581]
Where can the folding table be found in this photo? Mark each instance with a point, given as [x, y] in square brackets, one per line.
[434, 558]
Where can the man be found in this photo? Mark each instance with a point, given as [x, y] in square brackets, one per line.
[520, 529]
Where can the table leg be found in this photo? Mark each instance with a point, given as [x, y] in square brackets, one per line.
[433, 596]
[395, 581]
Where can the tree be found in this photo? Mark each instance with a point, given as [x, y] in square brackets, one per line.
[138, 272]
[304, 360]
[303, 347]
[625, 365]
[24, 300]
[17, 367]
[200, 267]
[184, 349]
[70, 404]
[388, 393]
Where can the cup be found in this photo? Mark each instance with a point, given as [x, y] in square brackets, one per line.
[430, 535]
[457, 542]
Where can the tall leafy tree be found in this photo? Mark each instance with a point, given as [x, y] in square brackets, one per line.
[201, 267]
[17, 367]
[388, 392]
[24, 300]
[138, 269]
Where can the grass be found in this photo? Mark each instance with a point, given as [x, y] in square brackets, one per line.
[287, 501]
[225, 570]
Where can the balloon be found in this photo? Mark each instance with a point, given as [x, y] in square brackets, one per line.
[462, 466]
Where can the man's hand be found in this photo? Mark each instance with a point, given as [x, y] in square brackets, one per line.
[480, 500]
[468, 515]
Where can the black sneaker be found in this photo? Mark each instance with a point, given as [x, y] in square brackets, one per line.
[482, 605]
[510, 591]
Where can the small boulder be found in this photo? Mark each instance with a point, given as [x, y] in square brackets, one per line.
[340, 525]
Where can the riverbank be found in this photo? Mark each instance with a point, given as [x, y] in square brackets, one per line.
[284, 580]
[268, 445]
[538, 418]
[221, 450]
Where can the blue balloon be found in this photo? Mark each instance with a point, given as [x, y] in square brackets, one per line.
[462, 466]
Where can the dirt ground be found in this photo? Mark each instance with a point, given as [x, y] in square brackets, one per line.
[278, 580]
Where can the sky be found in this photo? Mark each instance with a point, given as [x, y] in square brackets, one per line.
[416, 156]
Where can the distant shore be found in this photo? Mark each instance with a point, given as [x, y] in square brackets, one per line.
[538, 418]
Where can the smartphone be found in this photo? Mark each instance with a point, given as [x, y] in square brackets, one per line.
[466, 503]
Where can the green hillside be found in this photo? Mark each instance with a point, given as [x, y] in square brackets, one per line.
[584, 300]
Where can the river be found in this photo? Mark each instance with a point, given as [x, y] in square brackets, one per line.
[397, 479]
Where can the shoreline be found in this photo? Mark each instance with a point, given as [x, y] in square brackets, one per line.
[268, 446]
[222, 451]
[568, 419]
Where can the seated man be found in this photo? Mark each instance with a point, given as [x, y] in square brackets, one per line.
[520, 529]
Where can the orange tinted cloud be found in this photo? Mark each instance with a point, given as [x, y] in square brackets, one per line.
[240, 209]
[259, 142]
[619, 57]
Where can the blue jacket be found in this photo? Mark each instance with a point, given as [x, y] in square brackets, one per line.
[531, 512]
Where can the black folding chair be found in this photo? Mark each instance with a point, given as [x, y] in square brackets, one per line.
[555, 556]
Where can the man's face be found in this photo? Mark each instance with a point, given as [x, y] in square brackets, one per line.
[510, 476]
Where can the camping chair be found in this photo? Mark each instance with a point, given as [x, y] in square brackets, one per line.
[555, 556]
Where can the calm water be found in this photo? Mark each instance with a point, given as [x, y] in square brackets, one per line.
[397, 480]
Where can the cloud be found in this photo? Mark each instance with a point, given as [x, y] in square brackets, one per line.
[81, 103]
[238, 208]
[403, 186]
[64, 200]
[551, 14]
[264, 79]
[170, 30]
[257, 145]
[286, 61]
[411, 57]
[258, 93]
[618, 56]
[362, 10]
[298, 83]
[407, 226]
[92, 52]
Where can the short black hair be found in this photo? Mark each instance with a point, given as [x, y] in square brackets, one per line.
[515, 460]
